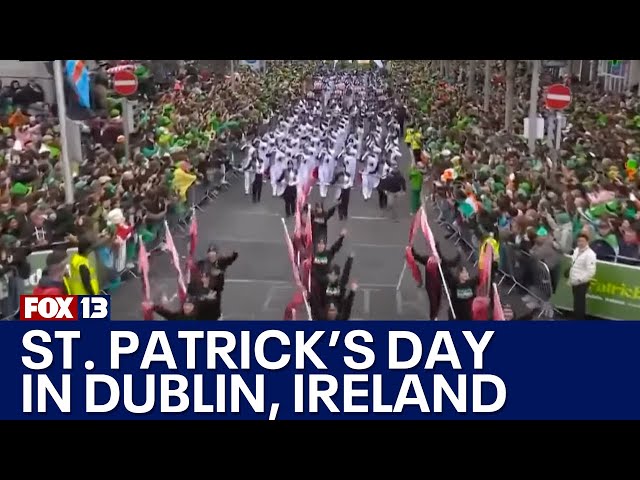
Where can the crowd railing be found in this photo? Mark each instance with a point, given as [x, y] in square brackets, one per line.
[516, 267]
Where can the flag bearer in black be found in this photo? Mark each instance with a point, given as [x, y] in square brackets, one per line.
[332, 290]
[319, 219]
[188, 310]
[256, 187]
[323, 257]
[342, 312]
[343, 182]
[216, 266]
[208, 297]
[462, 293]
[290, 179]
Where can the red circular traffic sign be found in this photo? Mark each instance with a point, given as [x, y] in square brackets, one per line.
[125, 82]
[558, 97]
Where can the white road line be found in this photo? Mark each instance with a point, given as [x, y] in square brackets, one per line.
[272, 214]
[281, 242]
[287, 282]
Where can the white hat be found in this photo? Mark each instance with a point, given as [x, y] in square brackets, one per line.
[115, 216]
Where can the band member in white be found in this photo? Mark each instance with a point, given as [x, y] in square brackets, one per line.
[248, 167]
[370, 177]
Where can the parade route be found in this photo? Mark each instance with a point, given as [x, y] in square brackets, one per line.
[260, 283]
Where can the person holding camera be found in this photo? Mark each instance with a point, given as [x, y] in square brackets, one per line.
[579, 275]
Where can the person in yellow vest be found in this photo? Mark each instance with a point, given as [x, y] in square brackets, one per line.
[416, 144]
[83, 278]
[408, 136]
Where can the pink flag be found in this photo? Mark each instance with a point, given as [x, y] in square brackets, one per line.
[175, 259]
[498, 313]
[414, 225]
[484, 270]
[428, 234]
[193, 243]
[143, 262]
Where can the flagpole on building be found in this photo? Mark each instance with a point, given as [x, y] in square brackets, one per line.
[62, 115]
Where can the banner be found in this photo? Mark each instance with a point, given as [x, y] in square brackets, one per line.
[614, 293]
[253, 64]
[319, 370]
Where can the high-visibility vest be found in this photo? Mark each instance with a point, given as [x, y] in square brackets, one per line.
[76, 287]
[490, 242]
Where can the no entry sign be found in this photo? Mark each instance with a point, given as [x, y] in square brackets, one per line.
[125, 83]
[558, 97]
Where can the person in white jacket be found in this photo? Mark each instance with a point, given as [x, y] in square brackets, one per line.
[581, 272]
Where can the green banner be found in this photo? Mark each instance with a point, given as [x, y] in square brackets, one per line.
[614, 292]
[38, 262]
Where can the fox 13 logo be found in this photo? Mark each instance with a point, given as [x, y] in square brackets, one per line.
[65, 307]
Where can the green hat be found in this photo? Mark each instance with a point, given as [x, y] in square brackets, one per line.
[114, 113]
[630, 213]
[501, 170]
[542, 232]
[498, 187]
[526, 186]
[20, 189]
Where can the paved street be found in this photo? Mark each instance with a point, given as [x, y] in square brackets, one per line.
[259, 284]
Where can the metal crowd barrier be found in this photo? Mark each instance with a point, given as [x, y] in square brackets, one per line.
[518, 267]
[11, 287]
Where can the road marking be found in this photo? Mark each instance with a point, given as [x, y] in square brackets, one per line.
[287, 282]
[273, 214]
[281, 242]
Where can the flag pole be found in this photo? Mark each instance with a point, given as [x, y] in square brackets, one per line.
[62, 115]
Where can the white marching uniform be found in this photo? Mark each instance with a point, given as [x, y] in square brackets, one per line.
[248, 167]
[325, 173]
[350, 165]
[370, 177]
[278, 166]
[305, 169]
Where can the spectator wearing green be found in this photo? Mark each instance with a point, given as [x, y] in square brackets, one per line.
[416, 178]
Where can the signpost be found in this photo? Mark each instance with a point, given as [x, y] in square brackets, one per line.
[558, 97]
[125, 83]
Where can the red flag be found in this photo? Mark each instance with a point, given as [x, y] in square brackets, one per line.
[413, 266]
[175, 259]
[498, 313]
[309, 234]
[296, 302]
[292, 259]
[297, 229]
[479, 309]
[413, 227]
[484, 270]
[434, 286]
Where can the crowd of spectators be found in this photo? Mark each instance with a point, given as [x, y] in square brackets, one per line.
[489, 184]
[188, 123]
